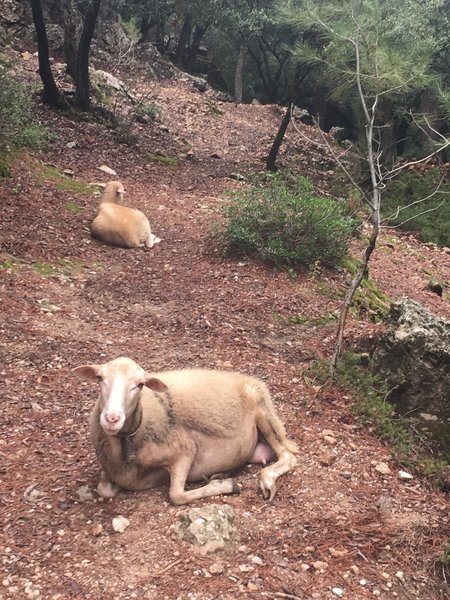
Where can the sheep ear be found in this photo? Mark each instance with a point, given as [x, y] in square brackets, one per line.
[155, 384]
[87, 372]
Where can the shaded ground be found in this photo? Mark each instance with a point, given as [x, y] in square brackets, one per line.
[182, 305]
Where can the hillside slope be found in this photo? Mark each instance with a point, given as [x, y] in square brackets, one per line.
[67, 300]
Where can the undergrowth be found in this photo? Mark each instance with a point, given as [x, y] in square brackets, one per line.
[18, 127]
[429, 213]
[369, 301]
[369, 393]
[279, 219]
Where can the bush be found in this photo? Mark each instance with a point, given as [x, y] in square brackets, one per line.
[281, 221]
[17, 128]
[433, 226]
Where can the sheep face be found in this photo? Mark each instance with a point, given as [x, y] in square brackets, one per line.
[113, 192]
[121, 382]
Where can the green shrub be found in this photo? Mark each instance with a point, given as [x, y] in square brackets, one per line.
[17, 127]
[280, 220]
[409, 187]
[150, 110]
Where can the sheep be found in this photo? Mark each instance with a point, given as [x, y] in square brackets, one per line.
[119, 225]
[188, 425]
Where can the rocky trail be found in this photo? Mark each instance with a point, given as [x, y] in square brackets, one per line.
[343, 524]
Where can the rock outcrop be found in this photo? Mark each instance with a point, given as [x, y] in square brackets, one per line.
[414, 356]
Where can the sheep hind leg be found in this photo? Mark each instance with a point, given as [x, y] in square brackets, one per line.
[272, 430]
[178, 476]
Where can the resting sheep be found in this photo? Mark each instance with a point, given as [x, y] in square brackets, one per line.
[119, 225]
[191, 424]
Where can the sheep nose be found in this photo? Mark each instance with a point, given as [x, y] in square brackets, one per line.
[112, 418]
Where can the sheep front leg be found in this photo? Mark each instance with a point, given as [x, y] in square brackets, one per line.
[107, 488]
[178, 475]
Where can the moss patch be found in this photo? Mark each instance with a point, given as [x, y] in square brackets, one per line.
[164, 160]
[73, 207]
[8, 262]
[63, 183]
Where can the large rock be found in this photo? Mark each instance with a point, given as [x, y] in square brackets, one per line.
[210, 528]
[414, 356]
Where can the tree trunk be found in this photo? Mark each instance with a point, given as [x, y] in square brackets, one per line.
[239, 75]
[82, 82]
[70, 34]
[272, 157]
[199, 32]
[51, 94]
[159, 37]
[183, 40]
[354, 285]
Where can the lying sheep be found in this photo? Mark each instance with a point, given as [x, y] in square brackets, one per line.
[190, 424]
[119, 225]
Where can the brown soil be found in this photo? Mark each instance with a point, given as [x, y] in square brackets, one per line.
[181, 305]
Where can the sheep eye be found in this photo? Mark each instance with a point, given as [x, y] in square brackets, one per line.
[140, 386]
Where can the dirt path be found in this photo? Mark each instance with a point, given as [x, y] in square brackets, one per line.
[182, 305]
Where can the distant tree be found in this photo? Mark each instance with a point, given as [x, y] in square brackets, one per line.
[82, 97]
[51, 94]
[377, 62]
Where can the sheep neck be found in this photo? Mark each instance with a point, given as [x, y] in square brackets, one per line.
[128, 431]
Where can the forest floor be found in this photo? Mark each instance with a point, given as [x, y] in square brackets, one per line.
[67, 300]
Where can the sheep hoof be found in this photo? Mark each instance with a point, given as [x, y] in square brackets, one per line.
[236, 488]
[268, 487]
[107, 489]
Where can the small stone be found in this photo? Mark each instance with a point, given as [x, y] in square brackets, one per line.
[346, 475]
[107, 170]
[329, 440]
[33, 493]
[376, 593]
[245, 568]
[320, 565]
[256, 560]
[326, 458]
[216, 568]
[120, 523]
[305, 567]
[383, 468]
[363, 582]
[400, 576]
[354, 569]
[404, 475]
[71, 145]
[251, 587]
[96, 529]
[36, 408]
[84, 494]
[329, 432]
[337, 591]
[310, 549]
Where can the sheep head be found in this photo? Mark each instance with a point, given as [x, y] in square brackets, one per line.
[113, 192]
[121, 382]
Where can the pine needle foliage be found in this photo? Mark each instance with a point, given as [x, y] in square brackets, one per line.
[283, 222]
